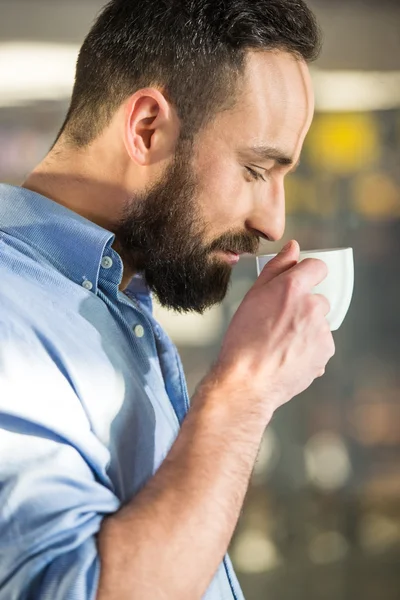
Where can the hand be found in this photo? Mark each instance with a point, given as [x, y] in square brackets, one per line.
[279, 340]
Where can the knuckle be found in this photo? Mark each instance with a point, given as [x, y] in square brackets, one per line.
[322, 303]
[327, 331]
[292, 284]
[328, 307]
[313, 301]
[312, 305]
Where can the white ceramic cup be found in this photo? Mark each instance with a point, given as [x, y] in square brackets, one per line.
[338, 285]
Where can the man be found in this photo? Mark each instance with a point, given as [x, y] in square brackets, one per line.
[185, 117]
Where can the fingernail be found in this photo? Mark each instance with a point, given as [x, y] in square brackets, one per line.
[286, 248]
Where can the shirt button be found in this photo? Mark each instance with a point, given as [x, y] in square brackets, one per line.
[106, 262]
[88, 285]
[139, 331]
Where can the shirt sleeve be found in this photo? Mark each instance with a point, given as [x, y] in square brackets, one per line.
[54, 490]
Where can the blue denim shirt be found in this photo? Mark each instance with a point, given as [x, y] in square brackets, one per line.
[92, 394]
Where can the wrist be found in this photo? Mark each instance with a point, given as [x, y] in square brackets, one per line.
[233, 391]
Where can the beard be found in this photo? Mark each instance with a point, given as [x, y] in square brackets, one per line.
[162, 235]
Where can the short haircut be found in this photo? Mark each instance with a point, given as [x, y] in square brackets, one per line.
[192, 50]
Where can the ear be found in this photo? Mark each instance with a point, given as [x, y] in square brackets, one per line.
[151, 127]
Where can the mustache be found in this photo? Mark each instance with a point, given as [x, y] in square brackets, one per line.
[236, 242]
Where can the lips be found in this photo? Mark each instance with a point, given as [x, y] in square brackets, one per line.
[231, 257]
[228, 251]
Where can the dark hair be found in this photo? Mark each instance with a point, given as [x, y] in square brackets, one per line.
[194, 50]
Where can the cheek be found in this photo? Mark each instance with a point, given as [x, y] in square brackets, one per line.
[224, 196]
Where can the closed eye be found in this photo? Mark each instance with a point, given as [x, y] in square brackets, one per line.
[255, 174]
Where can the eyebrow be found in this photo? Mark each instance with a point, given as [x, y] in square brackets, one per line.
[270, 153]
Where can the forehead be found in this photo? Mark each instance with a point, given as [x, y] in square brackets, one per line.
[275, 102]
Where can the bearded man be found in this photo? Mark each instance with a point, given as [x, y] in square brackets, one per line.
[186, 115]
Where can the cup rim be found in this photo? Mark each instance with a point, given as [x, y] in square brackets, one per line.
[317, 250]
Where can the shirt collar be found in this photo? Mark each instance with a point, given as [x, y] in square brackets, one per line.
[139, 289]
[72, 244]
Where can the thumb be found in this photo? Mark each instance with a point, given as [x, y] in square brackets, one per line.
[285, 260]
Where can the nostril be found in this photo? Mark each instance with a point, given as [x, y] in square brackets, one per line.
[261, 235]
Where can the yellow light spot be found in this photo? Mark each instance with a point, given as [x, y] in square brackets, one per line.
[343, 143]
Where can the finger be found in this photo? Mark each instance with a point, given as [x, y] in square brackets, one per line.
[324, 303]
[309, 272]
[286, 259]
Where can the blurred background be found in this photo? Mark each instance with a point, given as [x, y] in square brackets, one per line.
[322, 516]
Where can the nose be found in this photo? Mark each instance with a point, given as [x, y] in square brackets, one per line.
[268, 215]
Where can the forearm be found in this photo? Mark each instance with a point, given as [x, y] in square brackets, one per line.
[168, 541]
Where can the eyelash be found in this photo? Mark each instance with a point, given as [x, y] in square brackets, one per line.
[255, 174]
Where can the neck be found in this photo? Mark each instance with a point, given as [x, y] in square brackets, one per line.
[88, 181]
